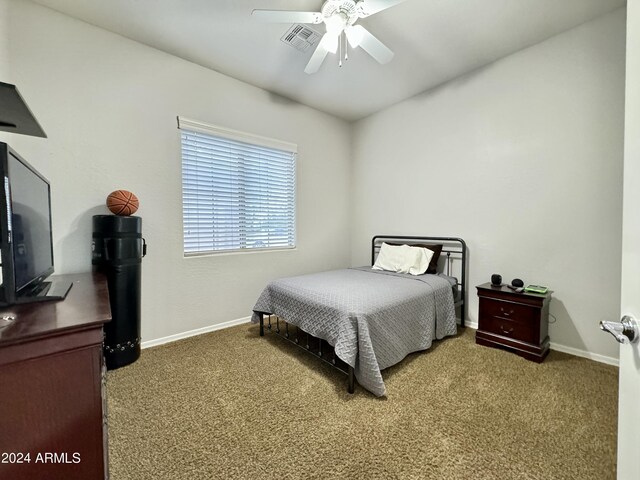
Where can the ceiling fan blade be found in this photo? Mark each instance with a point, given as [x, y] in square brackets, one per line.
[369, 7]
[286, 16]
[329, 43]
[369, 43]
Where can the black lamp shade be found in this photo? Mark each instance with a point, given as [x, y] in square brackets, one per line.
[15, 116]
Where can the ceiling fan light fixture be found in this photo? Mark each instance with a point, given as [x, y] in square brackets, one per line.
[354, 35]
[336, 23]
[331, 43]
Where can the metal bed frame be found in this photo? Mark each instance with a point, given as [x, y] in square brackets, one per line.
[453, 261]
[314, 345]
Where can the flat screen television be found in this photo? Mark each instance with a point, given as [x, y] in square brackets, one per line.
[26, 244]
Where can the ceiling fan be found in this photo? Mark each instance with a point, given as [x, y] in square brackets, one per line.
[339, 17]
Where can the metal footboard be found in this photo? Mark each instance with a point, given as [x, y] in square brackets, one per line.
[316, 346]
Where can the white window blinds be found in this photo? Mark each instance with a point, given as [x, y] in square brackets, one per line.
[238, 190]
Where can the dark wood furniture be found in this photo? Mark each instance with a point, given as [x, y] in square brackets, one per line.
[52, 403]
[515, 321]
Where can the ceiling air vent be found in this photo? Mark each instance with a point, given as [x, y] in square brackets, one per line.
[301, 37]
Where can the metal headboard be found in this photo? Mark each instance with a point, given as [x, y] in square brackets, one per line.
[452, 262]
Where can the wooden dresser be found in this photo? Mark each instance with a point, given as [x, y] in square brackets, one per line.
[52, 404]
[518, 322]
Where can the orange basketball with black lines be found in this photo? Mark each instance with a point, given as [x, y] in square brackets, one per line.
[122, 202]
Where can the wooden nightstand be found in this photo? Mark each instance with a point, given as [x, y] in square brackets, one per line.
[518, 322]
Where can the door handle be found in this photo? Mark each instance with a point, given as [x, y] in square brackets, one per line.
[625, 331]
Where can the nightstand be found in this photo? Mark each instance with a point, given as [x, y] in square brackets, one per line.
[518, 322]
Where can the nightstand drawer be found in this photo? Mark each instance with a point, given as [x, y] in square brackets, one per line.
[513, 312]
[509, 328]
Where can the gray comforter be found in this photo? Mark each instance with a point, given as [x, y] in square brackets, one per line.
[373, 318]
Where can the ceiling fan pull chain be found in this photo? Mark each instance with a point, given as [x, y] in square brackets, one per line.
[346, 46]
[340, 53]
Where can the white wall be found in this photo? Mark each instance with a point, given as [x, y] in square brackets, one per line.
[109, 107]
[4, 42]
[523, 159]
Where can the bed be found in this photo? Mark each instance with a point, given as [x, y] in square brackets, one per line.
[361, 320]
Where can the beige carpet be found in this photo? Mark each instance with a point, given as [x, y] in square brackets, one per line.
[233, 405]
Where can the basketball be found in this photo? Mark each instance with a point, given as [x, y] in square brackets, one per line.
[122, 202]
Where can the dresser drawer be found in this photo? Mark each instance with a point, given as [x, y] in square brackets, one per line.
[505, 327]
[509, 311]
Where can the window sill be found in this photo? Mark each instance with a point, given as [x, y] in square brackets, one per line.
[243, 251]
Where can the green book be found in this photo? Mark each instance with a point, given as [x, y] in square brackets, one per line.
[536, 289]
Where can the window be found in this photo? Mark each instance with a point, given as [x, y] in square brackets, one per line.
[238, 190]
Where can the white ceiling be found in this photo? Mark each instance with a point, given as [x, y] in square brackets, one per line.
[433, 40]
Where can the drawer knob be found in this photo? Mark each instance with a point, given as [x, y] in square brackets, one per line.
[505, 313]
[505, 331]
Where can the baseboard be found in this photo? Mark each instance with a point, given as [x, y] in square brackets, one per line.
[470, 324]
[583, 353]
[474, 325]
[193, 333]
[570, 350]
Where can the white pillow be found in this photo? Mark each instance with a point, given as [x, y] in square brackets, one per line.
[403, 259]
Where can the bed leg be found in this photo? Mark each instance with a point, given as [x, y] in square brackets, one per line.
[352, 380]
[261, 325]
